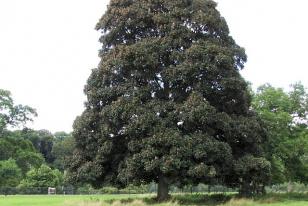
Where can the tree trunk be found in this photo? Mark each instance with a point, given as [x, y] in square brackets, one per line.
[245, 190]
[163, 189]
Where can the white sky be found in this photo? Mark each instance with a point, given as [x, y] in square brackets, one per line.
[48, 48]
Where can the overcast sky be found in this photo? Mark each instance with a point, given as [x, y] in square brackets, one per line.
[48, 48]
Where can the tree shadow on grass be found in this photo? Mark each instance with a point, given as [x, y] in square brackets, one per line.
[187, 199]
[202, 199]
[281, 197]
[214, 199]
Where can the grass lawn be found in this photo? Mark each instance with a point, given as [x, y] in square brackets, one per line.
[141, 200]
[59, 200]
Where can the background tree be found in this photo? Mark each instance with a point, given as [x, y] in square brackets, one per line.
[14, 146]
[43, 141]
[61, 136]
[62, 150]
[6, 149]
[28, 160]
[42, 177]
[11, 114]
[167, 102]
[286, 118]
[10, 173]
[23, 152]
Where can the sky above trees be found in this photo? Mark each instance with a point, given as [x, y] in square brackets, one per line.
[48, 49]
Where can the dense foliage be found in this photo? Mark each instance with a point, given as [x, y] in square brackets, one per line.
[10, 173]
[43, 176]
[25, 153]
[13, 115]
[14, 145]
[24, 165]
[285, 115]
[167, 102]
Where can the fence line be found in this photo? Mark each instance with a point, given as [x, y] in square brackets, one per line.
[145, 189]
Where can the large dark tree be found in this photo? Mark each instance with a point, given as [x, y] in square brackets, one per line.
[167, 102]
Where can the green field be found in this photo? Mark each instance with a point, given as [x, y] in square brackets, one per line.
[60, 200]
[141, 200]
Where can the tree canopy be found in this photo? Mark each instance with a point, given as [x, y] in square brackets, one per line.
[285, 115]
[167, 102]
[10, 173]
[16, 152]
[11, 114]
[23, 153]
[43, 176]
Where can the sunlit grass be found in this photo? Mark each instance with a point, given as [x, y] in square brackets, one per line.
[143, 200]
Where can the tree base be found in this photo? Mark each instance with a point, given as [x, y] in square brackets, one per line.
[163, 198]
[163, 189]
